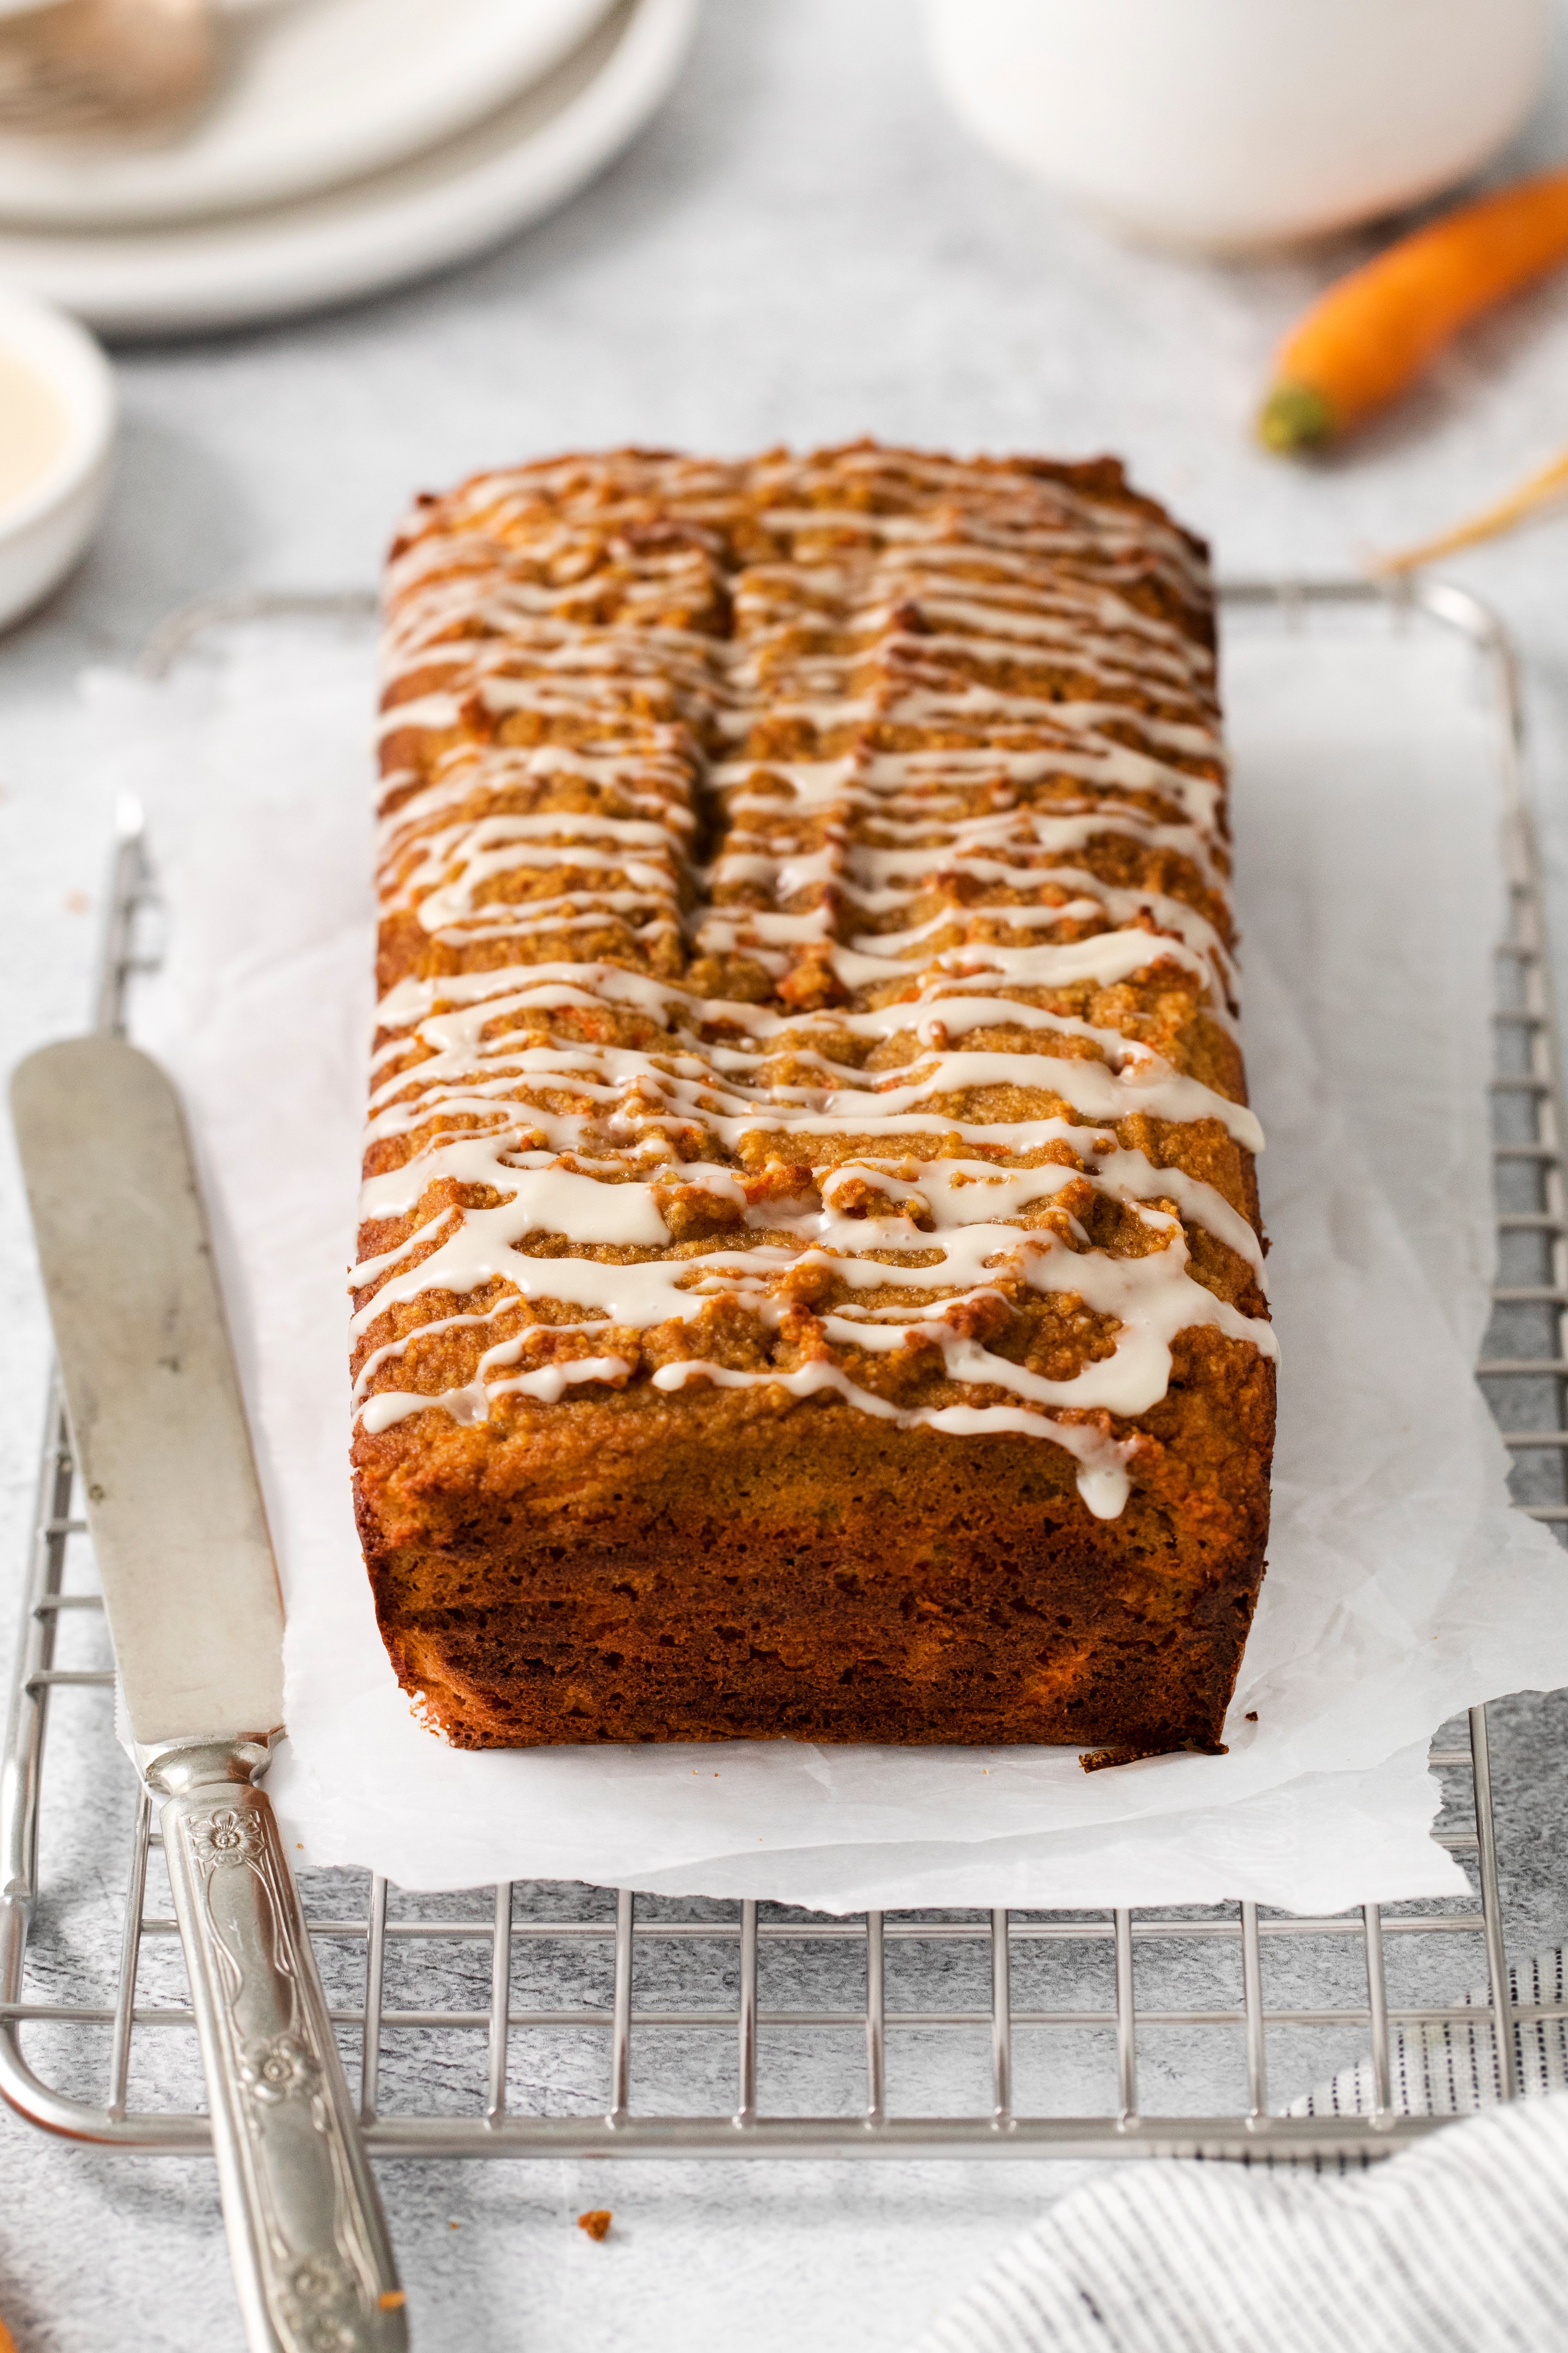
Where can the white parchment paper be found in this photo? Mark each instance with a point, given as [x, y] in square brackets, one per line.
[1401, 1587]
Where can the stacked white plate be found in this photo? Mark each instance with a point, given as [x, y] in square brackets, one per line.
[351, 144]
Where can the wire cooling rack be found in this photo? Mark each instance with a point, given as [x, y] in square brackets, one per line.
[553, 2018]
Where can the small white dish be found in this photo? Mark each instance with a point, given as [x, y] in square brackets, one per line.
[1234, 126]
[421, 215]
[47, 520]
[314, 93]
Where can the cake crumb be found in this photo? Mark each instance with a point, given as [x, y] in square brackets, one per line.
[1099, 1761]
[1252, 1715]
[595, 2221]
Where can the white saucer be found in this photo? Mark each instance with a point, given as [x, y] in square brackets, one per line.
[315, 93]
[438, 208]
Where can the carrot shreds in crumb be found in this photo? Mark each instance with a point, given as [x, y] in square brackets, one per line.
[595, 2221]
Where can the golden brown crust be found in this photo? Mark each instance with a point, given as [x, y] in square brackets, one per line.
[837, 1580]
[744, 776]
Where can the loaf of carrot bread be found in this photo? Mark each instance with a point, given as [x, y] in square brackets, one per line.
[811, 1282]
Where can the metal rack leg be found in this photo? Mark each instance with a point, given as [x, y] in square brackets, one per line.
[1126, 2019]
[746, 2106]
[375, 1987]
[21, 1768]
[129, 1957]
[620, 2021]
[876, 2022]
[1252, 2001]
[1001, 2020]
[1491, 1909]
[500, 2003]
[1377, 2008]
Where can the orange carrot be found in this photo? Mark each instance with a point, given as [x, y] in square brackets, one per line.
[1375, 331]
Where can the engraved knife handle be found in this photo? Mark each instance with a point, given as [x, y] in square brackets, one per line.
[312, 2261]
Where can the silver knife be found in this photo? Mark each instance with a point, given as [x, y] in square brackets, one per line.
[191, 1588]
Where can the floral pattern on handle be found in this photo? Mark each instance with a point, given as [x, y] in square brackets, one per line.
[312, 2261]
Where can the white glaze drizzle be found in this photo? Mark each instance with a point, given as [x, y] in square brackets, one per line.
[919, 871]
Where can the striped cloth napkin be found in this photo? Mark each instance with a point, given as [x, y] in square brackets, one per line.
[1458, 2245]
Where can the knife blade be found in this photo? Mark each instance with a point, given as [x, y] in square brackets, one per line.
[162, 1441]
[189, 1585]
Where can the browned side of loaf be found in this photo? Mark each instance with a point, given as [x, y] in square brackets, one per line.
[812, 1575]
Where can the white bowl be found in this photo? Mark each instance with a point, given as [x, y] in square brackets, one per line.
[1238, 124]
[47, 526]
